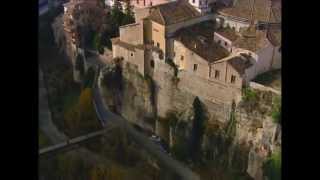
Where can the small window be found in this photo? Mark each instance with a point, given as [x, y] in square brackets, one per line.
[152, 42]
[200, 2]
[158, 45]
[279, 49]
[225, 43]
[216, 74]
[233, 79]
[181, 58]
[152, 63]
[219, 42]
[193, 1]
[131, 54]
[195, 67]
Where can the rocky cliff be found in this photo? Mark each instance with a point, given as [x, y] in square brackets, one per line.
[239, 138]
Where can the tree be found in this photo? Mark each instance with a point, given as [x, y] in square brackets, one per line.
[197, 129]
[97, 44]
[89, 78]
[128, 17]
[79, 65]
[82, 118]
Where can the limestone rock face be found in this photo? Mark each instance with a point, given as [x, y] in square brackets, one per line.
[133, 101]
[256, 136]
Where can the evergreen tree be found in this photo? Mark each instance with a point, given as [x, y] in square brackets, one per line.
[197, 129]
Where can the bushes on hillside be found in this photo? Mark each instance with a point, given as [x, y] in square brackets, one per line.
[81, 118]
[276, 110]
[272, 166]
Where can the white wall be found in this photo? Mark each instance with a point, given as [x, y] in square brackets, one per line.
[224, 42]
[234, 23]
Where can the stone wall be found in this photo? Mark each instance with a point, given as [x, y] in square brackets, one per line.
[133, 55]
[132, 33]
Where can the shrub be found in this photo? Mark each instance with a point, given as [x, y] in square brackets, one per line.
[249, 95]
[276, 110]
[173, 65]
[152, 87]
[272, 166]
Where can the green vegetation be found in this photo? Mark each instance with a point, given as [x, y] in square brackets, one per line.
[97, 43]
[113, 78]
[152, 88]
[43, 140]
[198, 128]
[180, 149]
[116, 19]
[249, 94]
[81, 118]
[173, 65]
[272, 166]
[276, 109]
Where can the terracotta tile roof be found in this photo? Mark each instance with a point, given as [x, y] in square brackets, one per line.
[252, 39]
[274, 34]
[199, 39]
[173, 12]
[242, 9]
[227, 33]
[240, 64]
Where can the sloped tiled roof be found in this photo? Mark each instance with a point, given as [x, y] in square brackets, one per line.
[173, 12]
[251, 39]
[199, 39]
[240, 64]
[274, 34]
[242, 9]
[227, 33]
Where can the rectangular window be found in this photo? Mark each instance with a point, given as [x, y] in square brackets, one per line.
[158, 45]
[195, 67]
[181, 58]
[233, 79]
[216, 74]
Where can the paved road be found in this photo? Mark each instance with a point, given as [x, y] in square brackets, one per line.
[164, 159]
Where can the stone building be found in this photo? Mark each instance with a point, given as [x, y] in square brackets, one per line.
[202, 44]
